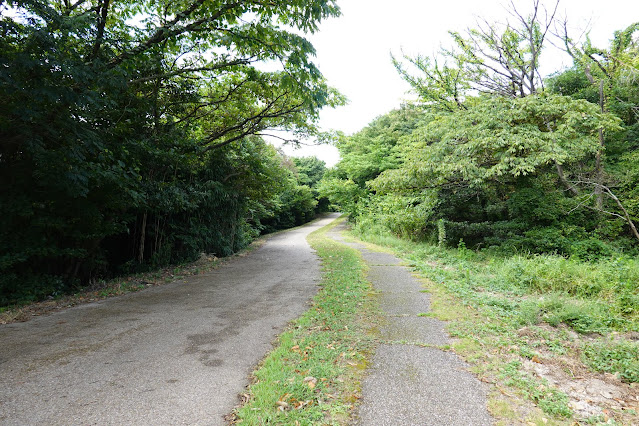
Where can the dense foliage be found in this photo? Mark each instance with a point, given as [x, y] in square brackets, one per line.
[130, 132]
[493, 155]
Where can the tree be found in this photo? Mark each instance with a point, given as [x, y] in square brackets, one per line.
[492, 144]
[365, 155]
[499, 59]
[375, 148]
[608, 78]
[498, 138]
[345, 194]
[310, 170]
[482, 156]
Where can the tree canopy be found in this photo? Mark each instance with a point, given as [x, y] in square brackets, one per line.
[131, 132]
[496, 155]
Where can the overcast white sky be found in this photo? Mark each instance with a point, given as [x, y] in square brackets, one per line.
[353, 51]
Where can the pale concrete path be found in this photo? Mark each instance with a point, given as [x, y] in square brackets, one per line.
[407, 383]
[177, 354]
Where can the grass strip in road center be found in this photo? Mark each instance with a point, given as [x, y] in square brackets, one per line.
[313, 376]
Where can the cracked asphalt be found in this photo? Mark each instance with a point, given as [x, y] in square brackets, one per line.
[410, 381]
[174, 354]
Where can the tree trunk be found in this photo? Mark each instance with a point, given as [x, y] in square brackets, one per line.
[142, 239]
[599, 175]
[102, 18]
[156, 247]
[563, 181]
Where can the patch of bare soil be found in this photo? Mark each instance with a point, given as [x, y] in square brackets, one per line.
[592, 395]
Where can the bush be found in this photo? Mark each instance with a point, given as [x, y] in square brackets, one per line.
[33, 287]
[590, 249]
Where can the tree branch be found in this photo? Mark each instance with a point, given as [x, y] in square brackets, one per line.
[607, 190]
[253, 122]
[102, 18]
[215, 67]
[167, 30]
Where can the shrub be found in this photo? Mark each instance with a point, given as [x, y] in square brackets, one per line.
[620, 358]
[590, 249]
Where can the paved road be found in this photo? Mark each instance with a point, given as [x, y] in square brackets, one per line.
[409, 383]
[175, 354]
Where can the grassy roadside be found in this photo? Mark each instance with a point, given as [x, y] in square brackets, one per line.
[129, 283]
[104, 289]
[313, 375]
[555, 350]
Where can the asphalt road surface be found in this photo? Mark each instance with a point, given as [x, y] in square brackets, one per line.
[410, 381]
[175, 354]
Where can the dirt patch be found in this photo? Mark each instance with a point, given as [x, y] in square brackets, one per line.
[592, 395]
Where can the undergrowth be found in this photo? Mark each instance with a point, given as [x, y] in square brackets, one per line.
[590, 297]
[614, 357]
[102, 289]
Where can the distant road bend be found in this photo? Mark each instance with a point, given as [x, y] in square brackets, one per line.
[174, 354]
